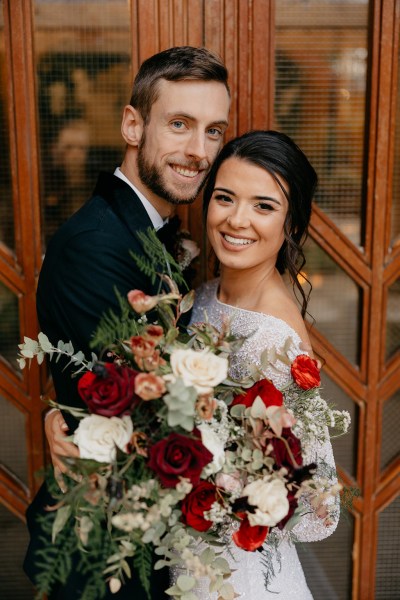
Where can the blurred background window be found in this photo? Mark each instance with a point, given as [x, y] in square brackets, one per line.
[83, 55]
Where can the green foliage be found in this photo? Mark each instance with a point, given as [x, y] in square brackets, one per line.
[347, 496]
[53, 566]
[270, 554]
[156, 259]
[180, 401]
[143, 564]
[113, 327]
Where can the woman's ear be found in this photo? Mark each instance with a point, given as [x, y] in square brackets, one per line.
[132, 126]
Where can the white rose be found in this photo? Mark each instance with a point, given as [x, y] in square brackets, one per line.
[215, 445]
[191, 247]
[97, 437]
[270, 499]
[202, 369]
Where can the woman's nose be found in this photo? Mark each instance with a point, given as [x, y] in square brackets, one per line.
[238, 220]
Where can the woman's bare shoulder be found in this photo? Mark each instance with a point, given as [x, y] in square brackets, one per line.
[279, 303]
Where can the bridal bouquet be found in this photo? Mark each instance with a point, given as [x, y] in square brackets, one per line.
[177, 460]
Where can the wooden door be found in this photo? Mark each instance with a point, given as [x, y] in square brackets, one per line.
[324, 72]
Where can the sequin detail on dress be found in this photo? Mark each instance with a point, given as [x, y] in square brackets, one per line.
[248, 579]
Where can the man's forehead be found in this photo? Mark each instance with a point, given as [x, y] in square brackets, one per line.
[189, 96]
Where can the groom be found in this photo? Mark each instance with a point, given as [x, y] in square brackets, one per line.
[173, 129]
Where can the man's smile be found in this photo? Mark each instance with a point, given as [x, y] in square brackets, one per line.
[186, 172]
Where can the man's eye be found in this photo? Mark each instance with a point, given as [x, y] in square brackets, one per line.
[214, 132]
[178, 124]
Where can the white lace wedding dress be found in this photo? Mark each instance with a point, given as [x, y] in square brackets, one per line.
[248, 579]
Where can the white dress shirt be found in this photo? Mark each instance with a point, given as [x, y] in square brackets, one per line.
[154, 216]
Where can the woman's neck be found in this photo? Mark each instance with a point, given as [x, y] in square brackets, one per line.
[245, 289]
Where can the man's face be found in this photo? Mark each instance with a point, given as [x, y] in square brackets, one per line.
[182, 139]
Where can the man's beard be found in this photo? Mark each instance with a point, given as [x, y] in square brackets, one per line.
[152, 178]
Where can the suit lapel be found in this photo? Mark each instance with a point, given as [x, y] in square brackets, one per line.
[123, 202]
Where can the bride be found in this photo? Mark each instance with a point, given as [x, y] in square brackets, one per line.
[258, 204]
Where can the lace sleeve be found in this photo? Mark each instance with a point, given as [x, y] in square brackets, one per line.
[317, 449]
[311, 526]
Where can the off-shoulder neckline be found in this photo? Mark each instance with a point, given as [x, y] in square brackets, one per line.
[214, 286]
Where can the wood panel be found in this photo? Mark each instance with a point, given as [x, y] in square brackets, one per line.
[242, 32]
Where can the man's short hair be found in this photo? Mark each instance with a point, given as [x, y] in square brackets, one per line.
[175, 64]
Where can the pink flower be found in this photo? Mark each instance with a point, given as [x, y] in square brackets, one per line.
[141, 302]
[141, 347]
[149, 386]
[154, 333]
[150, 363]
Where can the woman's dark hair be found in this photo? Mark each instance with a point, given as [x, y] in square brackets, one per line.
[282, 158]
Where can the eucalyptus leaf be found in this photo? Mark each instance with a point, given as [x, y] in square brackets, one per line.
[148, 536]
[187, 302]
[207, 556]
[61, 519]
[126, 568]
[222, 564]
[173, 591]
[227, 592]
[44, 342]
[237, 411]
[216, 584]
[185, 582]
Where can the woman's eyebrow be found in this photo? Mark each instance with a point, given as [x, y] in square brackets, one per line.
[264, 198]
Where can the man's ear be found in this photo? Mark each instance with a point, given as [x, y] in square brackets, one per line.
[131, 126]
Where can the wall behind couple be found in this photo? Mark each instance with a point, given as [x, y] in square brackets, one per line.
[311, 69]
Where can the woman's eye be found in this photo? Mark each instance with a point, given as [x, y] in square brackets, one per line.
[222, 198]
[264, 206]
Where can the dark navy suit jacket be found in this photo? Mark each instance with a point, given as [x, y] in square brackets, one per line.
[85, 260]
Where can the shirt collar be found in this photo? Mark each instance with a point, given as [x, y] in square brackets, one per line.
[154, 216]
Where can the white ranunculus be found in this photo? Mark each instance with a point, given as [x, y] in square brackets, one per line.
[230, 482]
[97, 437]
[201, 369]
[215, 445]
[269, 496]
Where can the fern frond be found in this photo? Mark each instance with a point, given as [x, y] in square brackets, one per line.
[113, 327]
[143, 564]
[156, 258]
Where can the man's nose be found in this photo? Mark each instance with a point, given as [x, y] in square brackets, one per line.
[196, 146]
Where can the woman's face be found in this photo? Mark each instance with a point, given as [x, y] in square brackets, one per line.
[246, 216]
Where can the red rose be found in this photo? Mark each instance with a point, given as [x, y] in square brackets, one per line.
[283, 455]
[293, 504]
[178, 456]
[109, 390]
[305, 372]
[248, 537]
[263, 388]
[200, 499]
